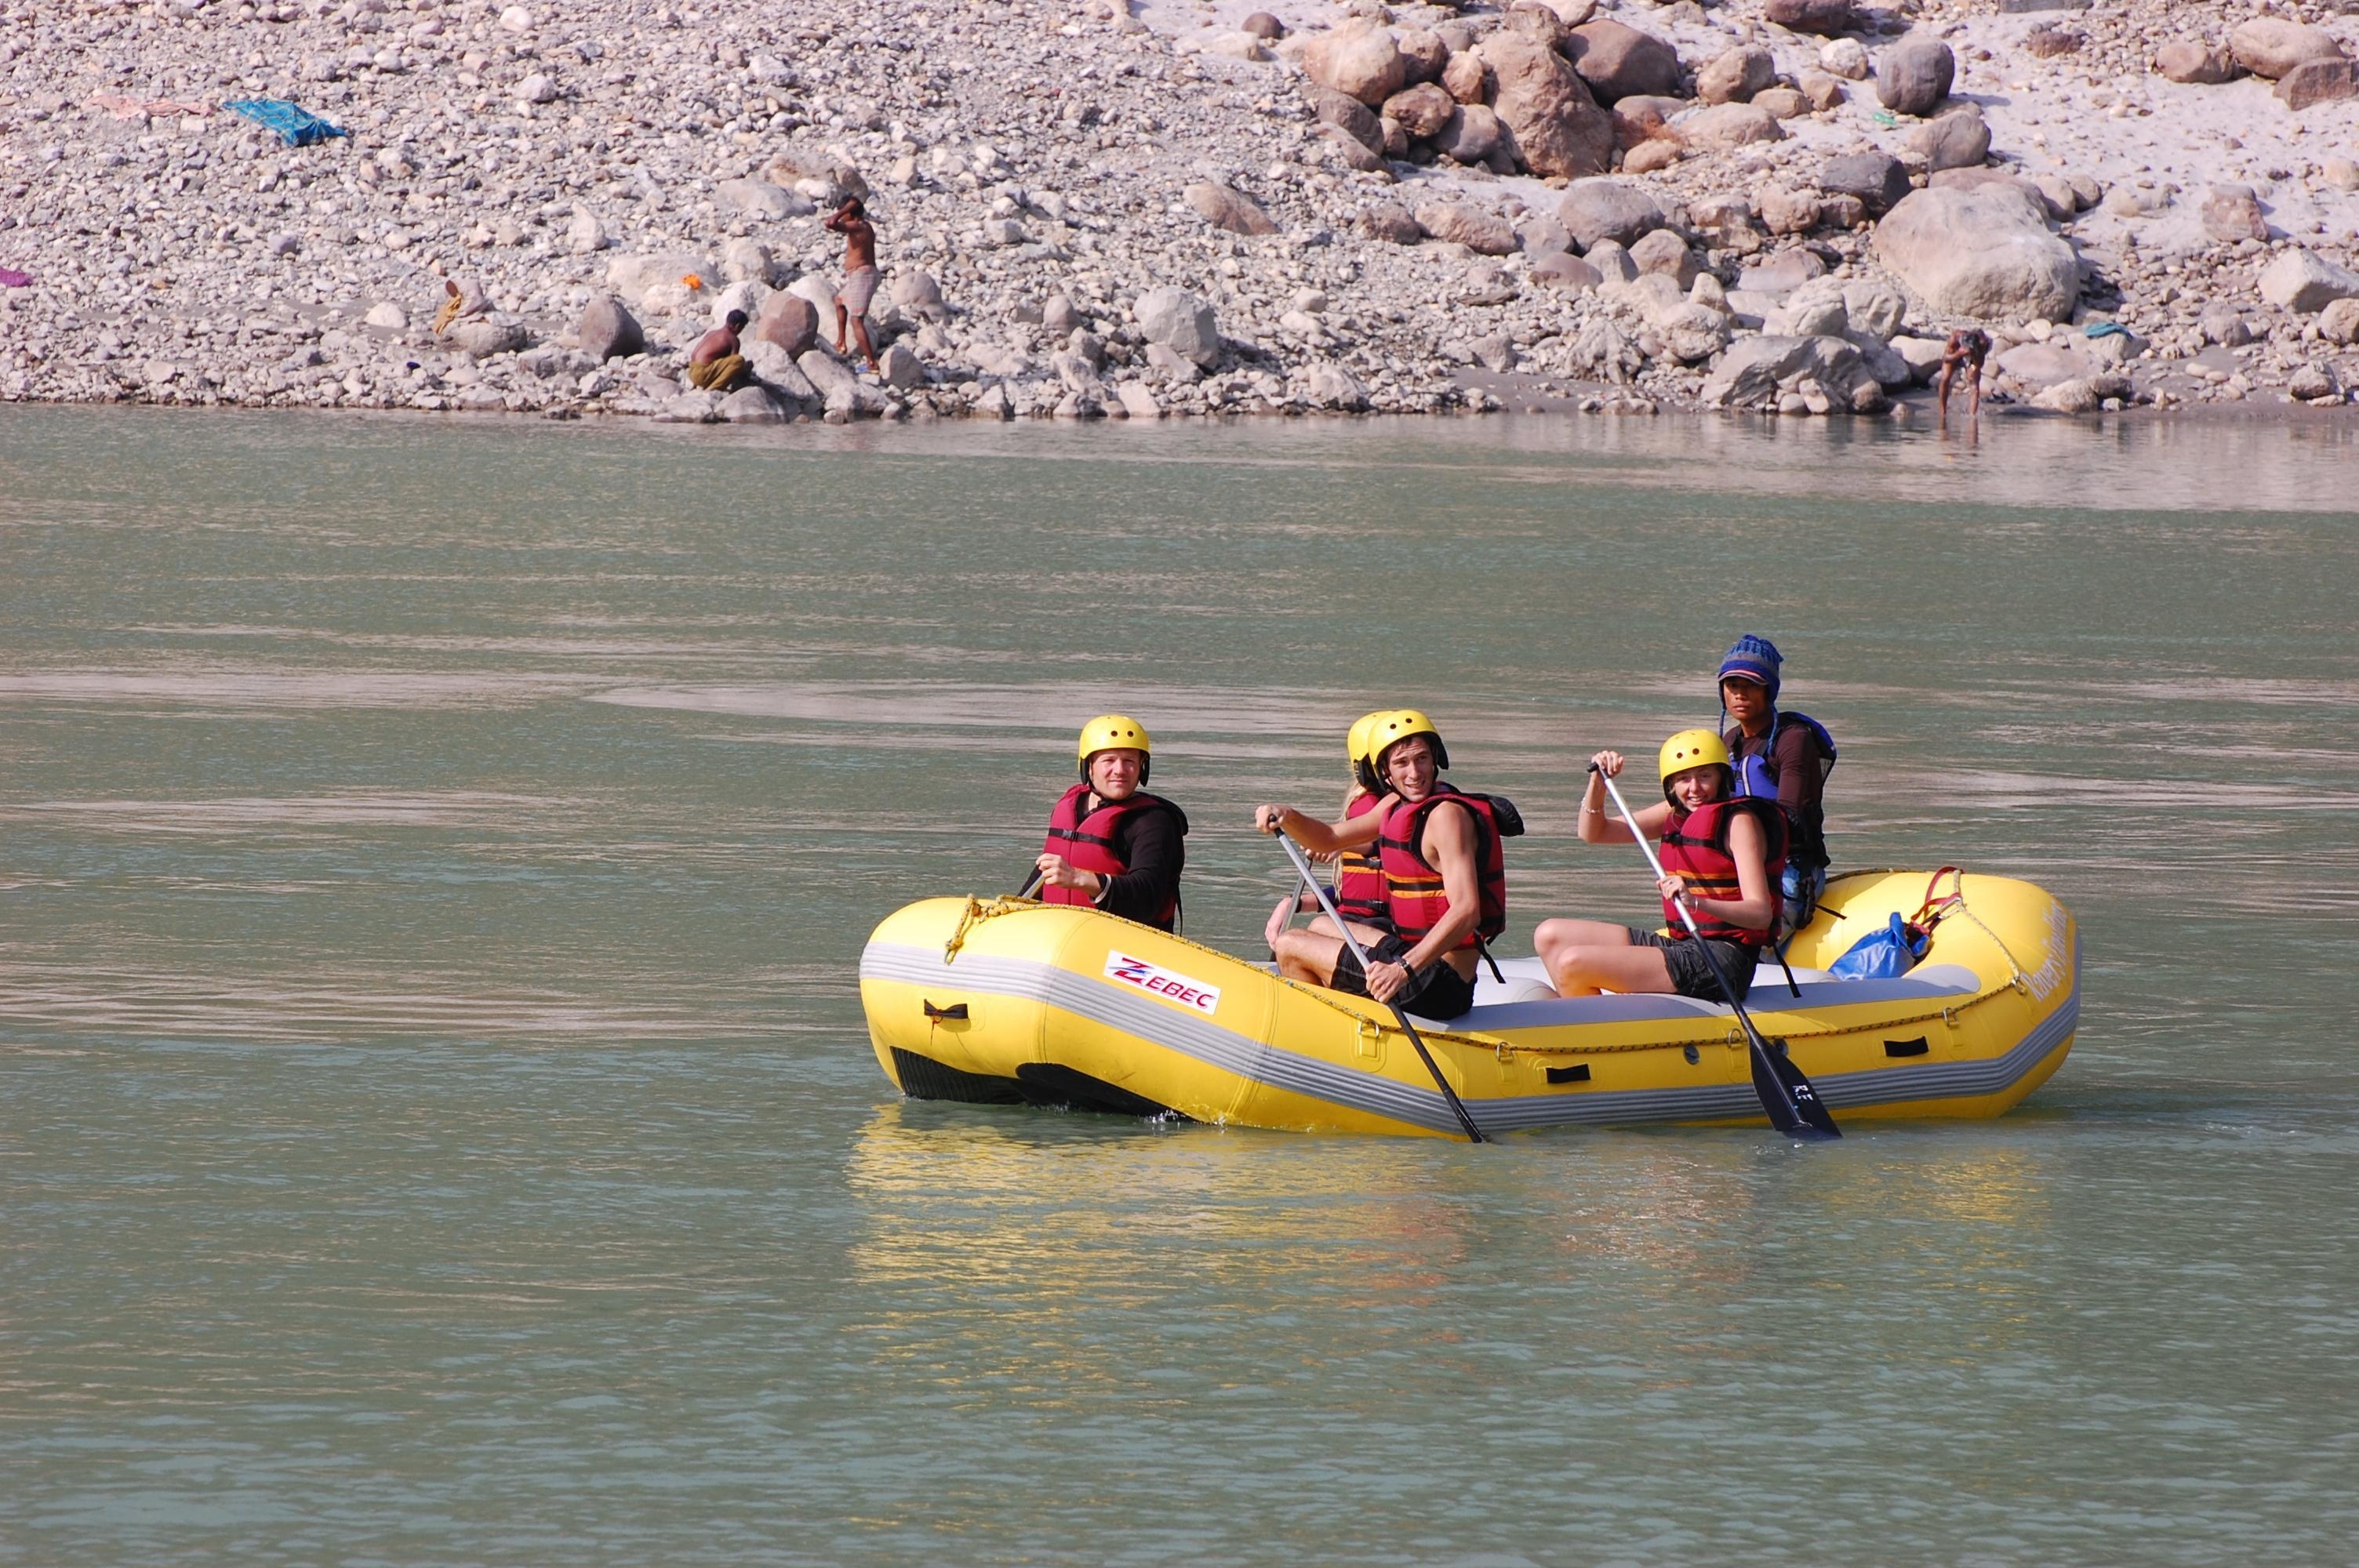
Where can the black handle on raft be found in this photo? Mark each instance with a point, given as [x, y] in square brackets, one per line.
[956, 1010]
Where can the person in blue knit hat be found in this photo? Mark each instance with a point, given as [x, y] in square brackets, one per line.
[1783, 756]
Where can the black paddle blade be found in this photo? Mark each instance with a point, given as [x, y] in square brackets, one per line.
[1787, 1095]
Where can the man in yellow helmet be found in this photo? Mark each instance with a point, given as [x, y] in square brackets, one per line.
[1111, 844]
[1359, 889]
[1722, 856]
[1445, 883]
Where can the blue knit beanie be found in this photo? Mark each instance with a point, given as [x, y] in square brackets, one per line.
[1756, 659]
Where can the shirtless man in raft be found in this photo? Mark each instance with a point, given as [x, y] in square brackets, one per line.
[860, 276]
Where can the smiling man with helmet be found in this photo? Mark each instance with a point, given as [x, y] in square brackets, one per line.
[1721, 854]
[1445, 871]
[1110, 843]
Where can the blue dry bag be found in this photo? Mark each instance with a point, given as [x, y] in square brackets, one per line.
[1883, 955]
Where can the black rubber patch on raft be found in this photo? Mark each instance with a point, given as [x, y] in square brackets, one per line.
[1576, 1074]
[1917, 1047]
[922, 1077]
[1047, 1084]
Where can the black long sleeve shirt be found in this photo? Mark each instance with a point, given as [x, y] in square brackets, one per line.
[1799, 769]
[1151, 844]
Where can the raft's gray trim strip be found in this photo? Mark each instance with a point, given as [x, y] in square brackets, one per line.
[1210, 1042]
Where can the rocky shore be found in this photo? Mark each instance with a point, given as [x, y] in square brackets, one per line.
[1186, 207]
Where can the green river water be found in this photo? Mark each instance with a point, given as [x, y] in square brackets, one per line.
[437, 1124]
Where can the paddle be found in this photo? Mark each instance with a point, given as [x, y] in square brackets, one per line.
[1029, 884]
[1417, 1042]
[1794, 1106]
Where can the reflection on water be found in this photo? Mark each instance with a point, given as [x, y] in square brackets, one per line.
[436, 1122]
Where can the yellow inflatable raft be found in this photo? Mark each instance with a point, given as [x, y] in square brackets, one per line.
[1008, 1001]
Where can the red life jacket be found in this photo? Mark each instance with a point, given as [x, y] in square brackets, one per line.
[1695, 851]
[1359, 874]
[1413, 891]
[1087, 843]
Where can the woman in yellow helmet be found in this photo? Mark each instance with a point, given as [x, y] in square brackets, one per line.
[1359, 890]
[1110, 843]
[1722, 856]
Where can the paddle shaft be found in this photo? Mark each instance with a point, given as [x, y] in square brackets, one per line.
[1780, 1097]
[1400, 1015]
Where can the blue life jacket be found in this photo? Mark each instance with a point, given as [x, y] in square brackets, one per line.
[1757, 775]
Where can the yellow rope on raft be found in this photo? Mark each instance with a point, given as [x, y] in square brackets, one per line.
[977, 911]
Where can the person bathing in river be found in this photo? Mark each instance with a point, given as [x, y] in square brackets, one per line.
[715, 364]
[1721, 854]
[1110, 843]
[1966, 350]
[1445, 883]
[1784, 757]
[1359, 890]
[860, 274]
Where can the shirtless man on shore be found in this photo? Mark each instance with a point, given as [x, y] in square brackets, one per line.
[1967, 348]
[717, 362]
[860, 274]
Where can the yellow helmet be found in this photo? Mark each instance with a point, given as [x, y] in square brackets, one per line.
[1691, 748]
[1108, 731]
[1356, 749]
[1391, 728]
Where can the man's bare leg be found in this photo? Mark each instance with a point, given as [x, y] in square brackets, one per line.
[839, 314]
[1941, 395]
[1303, 955]
[867, 349]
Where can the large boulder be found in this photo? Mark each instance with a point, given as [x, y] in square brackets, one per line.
[608, 330]
[1486, 233]
[1754, 372]
[2186, 60]
[1821, 16]
[775, 369]
[1982, 251]
[789, 320]
[1230, 210]
[1557, 126]
[2231, 213]
[1878, 180]
[1421, 111]
[484, 335]
[1391, 222]
[633, 275]
[1181, 322]
[1467, 78]
[1471, 136]
[1595, 209]
[2317, 81]
[1959, 139]
[2272, 47]
[845, 393]
[1348, 115]
[1914, 75]
[916, 291]
[1735, 75]
[1616, 61]
[1726, 126]
[1423, 54]
[1358, 60]
[760, 199]
[2306, 283]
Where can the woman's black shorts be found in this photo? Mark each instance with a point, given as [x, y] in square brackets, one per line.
[1691, 971]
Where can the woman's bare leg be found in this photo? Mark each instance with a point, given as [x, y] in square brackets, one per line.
[1585, 957]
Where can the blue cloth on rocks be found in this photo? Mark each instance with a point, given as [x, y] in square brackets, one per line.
[297, 126]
